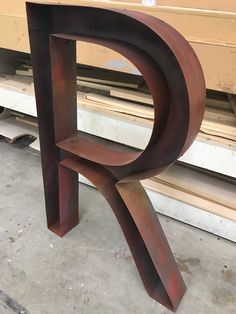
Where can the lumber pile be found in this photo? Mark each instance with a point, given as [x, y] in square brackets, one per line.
[126, 96]
[211, 192]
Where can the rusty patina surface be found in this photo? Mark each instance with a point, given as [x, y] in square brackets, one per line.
[175, 79]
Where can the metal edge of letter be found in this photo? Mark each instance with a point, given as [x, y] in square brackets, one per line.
[175, 79]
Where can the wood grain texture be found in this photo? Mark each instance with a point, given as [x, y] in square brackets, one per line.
[209, 27]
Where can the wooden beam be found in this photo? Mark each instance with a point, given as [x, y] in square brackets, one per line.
[193, 200]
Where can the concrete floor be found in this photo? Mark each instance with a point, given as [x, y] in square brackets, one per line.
[91, 270]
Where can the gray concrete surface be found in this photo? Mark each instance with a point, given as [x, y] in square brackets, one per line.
[91, 270]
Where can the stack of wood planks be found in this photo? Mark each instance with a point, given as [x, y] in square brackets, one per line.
[127, 94]
[211, 192]
[127, 97]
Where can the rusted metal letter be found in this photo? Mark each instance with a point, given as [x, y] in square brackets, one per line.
[175, 79]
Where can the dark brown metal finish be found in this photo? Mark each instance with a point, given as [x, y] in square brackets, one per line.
[174, 77]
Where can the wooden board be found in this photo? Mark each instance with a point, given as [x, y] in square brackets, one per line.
[216, 140]
[193, 215]
[226, 5]
[193, 200]
[131, 95]
[217, 134]
[29, 72]
[224, 126]
[106, 82]
[93, 85]
[12, 84]
[121, 106]
[200, 184]
[184, 20]
[223, 116]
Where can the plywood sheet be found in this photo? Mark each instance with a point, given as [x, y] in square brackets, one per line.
[211, 33]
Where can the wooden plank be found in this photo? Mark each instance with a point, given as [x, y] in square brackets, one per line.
[116, 112]
[16, 7]
[227, 128]
[193, 200]
[222, 104]
[131, 95]
[216, 140]
[193, 215]
[220, 138]
[217, 122]
[200, 184]
[20, 79]
[207, 133]
[183, 19]
[223, 116]
[211, 34]
[23, 72]
[17, 86]
[218, 134]
[93, 107]
[28, 120]
[94, 85]
[219, 75]
[122, 106]
[224, 127]
[106, 82]
[226, 5]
